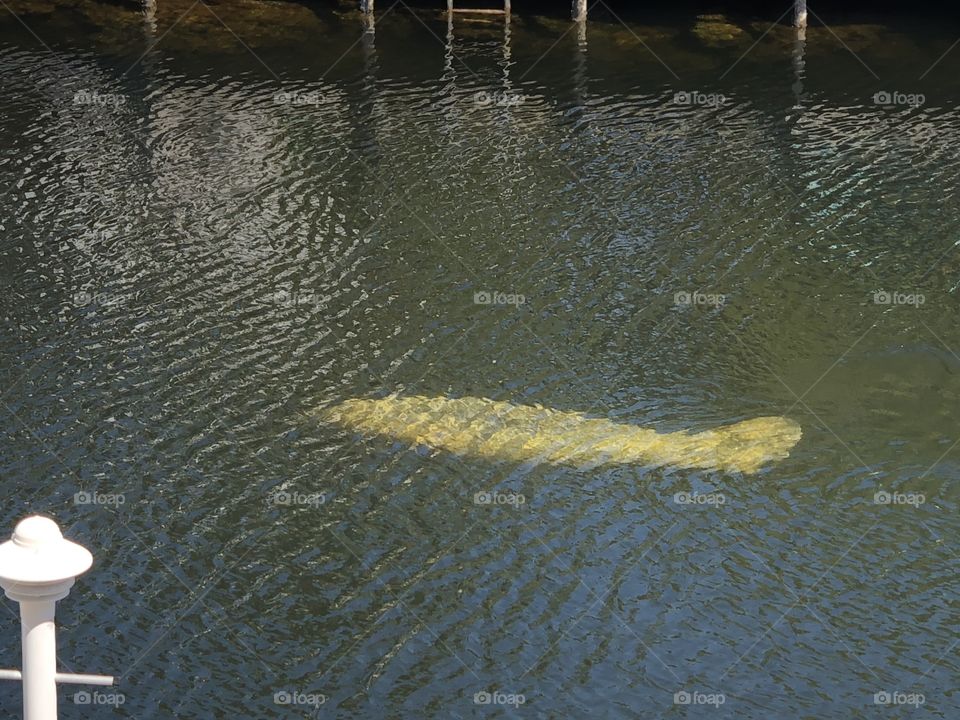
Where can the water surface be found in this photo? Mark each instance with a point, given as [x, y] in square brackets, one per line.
[216, 220]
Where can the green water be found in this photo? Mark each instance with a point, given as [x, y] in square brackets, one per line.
[209, 233]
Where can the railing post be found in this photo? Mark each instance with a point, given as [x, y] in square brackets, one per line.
[37, 568]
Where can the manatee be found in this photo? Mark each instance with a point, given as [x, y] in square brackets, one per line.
[495, 430]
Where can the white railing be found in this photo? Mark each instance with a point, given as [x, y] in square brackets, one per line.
[38, 567]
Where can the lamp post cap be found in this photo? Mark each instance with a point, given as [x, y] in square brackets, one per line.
[38, 554]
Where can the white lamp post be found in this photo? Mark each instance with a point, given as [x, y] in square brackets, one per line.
[37, 568]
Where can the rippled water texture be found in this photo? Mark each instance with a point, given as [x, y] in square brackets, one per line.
[221, 222]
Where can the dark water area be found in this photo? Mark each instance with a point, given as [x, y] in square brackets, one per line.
[216, 220]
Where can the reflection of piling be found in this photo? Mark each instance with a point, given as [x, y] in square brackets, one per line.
[579, 10]
[450, 106]
[800, 14]
[368, 43]
[366, 126]
[366, 6]
[799, 46]
[369, 28]
[506, 47]
[150, 18]
[506, 112]
[448, 47]
[580, 65]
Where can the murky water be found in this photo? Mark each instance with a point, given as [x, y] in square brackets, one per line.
[217, 220]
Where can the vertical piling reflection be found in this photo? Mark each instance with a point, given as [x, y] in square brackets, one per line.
[366, 126]
[150, 19]
[799, 64]
[580, 68]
